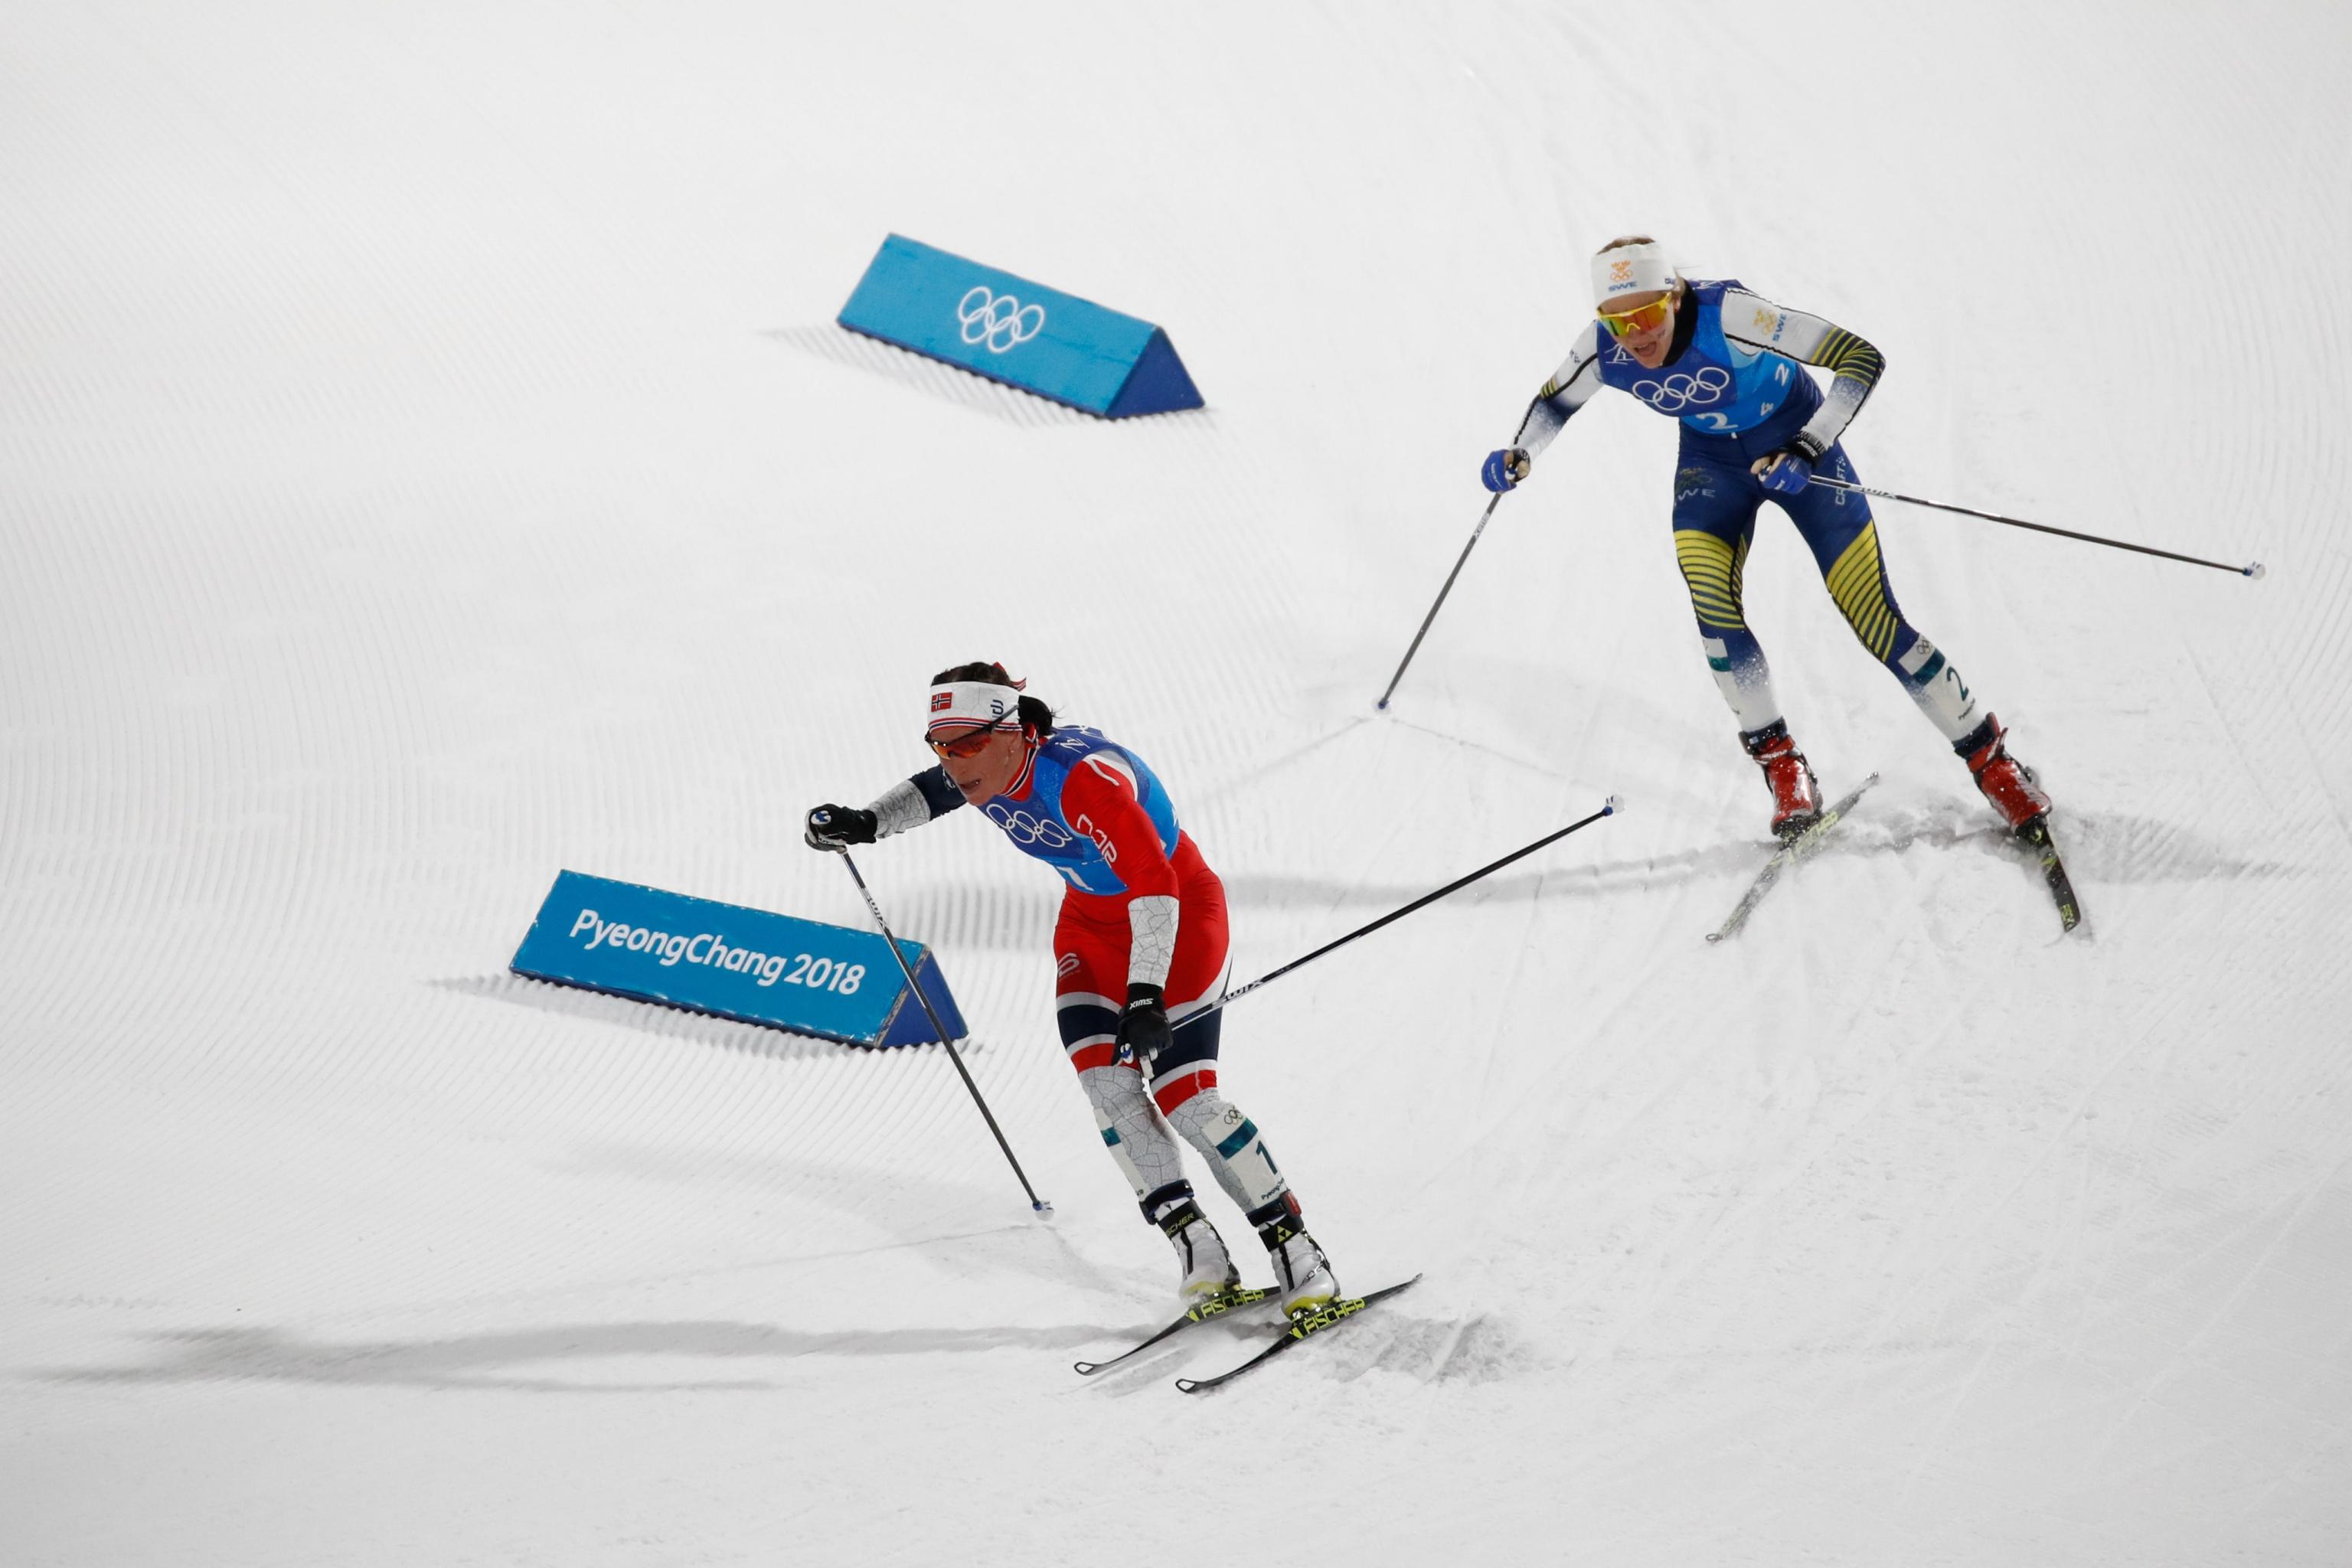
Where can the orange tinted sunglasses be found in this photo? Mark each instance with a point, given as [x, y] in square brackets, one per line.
[968, 745]
[1641, 318]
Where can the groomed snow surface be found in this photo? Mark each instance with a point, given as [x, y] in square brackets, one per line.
[427, 461]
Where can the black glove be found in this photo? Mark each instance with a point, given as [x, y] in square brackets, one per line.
[837, 827]
[1143, 1031]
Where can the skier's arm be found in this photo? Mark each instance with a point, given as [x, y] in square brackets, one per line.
[1854, 365]
[1576, 380]
[1099, 800]
[1569, 388]
[910, 804]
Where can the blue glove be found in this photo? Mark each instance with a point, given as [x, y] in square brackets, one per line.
[1504, 469]
[1788, 470]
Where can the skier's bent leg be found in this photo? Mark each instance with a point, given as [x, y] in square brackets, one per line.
[1715, 522]
[1131, 1130]
[1184, 1086]
[1146, 1154]
[1845, 541]
[1838, 528]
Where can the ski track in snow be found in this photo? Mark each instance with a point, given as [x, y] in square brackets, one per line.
[431, 463]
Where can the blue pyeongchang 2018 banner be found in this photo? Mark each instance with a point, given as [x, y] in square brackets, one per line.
[761, 968]
[1017, 332]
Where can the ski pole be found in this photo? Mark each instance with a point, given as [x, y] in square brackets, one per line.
[1383, 703]
[1609, 808]
[1036, 1204]
[2251, 569]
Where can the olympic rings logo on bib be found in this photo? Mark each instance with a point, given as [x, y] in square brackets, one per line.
[1677, 392]
[998, 320]
[1024, 829]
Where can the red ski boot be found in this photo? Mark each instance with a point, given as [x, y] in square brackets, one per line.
[2007, 782]
[1796, 796]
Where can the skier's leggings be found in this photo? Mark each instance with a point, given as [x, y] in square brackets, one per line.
[1090, 947]
[1716, 502]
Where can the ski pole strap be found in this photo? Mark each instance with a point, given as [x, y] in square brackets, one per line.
[890, 940]
[1609, 809]
[2251, 569]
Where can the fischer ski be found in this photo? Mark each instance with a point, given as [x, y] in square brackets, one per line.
[1300, 1329]
[1217, 1306]
[1787, 854]
[2035, 836]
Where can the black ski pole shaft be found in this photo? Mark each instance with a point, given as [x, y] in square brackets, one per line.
[1609, 809]
[1383, 703]
[2251, 569]
[1036, 1204]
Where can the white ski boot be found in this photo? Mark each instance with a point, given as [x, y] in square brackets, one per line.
[1302, 1275]
[1201, 1253]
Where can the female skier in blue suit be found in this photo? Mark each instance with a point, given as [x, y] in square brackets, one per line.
[1726, 363]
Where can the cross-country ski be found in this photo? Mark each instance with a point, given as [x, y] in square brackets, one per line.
[1800, 844]
[2036, 838]
[1301, 1328]
[1217, 1306]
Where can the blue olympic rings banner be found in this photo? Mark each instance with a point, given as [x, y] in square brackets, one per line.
[1017, 332]
[735, 962]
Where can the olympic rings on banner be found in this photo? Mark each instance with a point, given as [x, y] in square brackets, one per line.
[998, 320]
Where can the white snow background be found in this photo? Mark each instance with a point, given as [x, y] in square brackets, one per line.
[427, 461]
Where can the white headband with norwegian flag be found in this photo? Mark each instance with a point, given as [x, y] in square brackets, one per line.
[975, 705]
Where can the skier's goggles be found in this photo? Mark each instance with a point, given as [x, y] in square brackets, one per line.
[1646, 318]
[971, 744]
